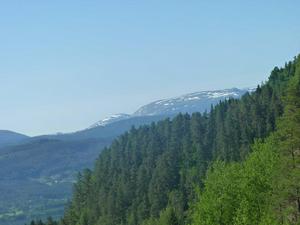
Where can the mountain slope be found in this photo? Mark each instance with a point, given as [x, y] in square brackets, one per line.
[148, 175]
[264, 189]
[36, 178]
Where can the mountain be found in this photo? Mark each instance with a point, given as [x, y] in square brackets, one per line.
[41, 170]
[9, 137]
[116, 124]
[189, 103]
[108, 131]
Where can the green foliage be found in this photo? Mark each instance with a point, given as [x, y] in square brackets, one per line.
[239, 193]
[220, 197]
[288, 194]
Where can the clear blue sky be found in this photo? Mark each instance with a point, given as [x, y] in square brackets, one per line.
[66, 64]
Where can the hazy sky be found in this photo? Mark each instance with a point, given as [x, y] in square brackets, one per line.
[66, 64]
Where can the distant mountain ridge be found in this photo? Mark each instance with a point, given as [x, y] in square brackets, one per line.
[116, 124]
[188, 103]
[9, 137]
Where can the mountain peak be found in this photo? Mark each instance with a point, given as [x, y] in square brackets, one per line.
[189, 103]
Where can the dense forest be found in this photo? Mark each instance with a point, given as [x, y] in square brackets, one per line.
[236, 164]
[265, 188]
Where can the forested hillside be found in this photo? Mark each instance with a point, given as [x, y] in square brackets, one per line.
[156, 175]
[265, 188]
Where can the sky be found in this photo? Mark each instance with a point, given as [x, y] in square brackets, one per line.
[66, 64]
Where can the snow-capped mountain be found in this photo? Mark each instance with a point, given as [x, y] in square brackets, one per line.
[111, 119]
[189, 103]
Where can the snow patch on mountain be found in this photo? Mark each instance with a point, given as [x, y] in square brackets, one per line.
[111, 119]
